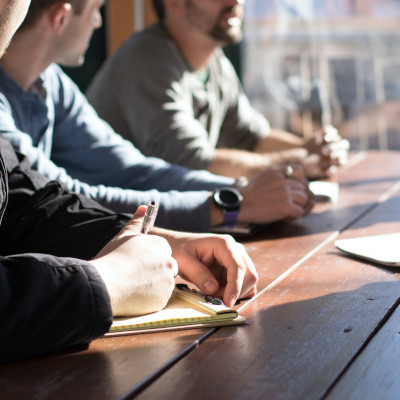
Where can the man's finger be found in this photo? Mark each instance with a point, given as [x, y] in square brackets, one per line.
[134, 225]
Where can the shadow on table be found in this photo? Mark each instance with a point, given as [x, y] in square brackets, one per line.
[293, 350]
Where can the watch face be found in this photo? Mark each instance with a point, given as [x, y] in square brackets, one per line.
[228, 198]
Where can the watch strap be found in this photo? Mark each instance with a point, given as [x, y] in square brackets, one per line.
[230, 217]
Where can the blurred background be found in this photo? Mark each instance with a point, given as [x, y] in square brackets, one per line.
[304, 64]
[314, 62]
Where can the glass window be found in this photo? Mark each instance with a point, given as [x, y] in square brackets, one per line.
[310, 63]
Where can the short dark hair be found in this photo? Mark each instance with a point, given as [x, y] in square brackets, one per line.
[158, 6]
[38, 7]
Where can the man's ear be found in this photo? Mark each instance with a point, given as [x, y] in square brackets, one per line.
[60, 15]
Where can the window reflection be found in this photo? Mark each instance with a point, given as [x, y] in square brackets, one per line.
[315, 62]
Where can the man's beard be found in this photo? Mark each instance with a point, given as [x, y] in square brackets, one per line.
[230, 36]
[222, 34]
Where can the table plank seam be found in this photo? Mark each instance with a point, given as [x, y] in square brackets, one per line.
[331, 238]
[370, 337]
[141, 386]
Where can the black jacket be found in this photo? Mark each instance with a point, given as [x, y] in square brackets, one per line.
[50, 298]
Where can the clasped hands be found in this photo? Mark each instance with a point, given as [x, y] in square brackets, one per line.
[326, 151]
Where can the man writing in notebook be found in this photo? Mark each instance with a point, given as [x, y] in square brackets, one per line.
[47, 118]
[51, 297]
[172, 92]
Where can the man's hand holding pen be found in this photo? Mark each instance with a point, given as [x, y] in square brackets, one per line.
[138, 270]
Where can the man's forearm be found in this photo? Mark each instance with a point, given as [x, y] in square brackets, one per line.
[278, 140]
[237, 163]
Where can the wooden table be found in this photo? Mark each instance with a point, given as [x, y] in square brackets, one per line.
[323, 325]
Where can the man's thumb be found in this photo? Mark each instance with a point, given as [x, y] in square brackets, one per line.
[135, 223]
[140, 212]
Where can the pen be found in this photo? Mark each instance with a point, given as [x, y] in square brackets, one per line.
[149, 217]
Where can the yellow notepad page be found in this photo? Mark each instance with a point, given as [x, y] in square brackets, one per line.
[184, 309]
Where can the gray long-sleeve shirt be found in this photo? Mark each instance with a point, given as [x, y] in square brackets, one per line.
[150, 94]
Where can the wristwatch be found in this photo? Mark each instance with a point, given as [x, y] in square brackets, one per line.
[228, 199]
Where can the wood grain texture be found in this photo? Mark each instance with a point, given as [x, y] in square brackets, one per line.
[314, 317]
[307, 329]
[362, 185]
[376, 370]
[302, 334]
[110, 367]
[120, 22]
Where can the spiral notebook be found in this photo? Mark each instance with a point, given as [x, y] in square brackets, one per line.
[383, 249]
[187, 308]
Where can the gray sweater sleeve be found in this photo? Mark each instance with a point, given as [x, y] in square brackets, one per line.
[155, 113]
[149, 93]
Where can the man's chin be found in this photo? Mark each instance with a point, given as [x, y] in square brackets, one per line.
[227, 38]
[228, 33]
